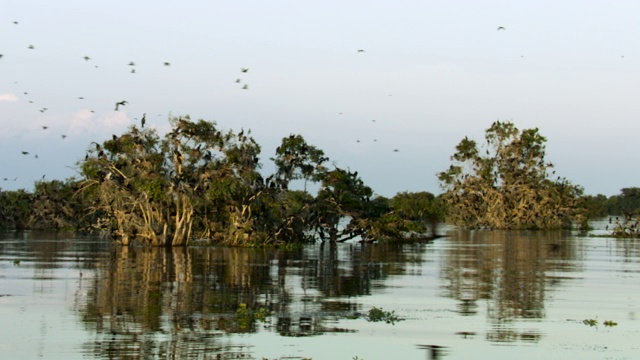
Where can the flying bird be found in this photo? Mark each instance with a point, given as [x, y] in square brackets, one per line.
[501, 28]
[121, 103]
[31, 47]
[86, 58]
[167, 63]
[15, 22]
[63, 136]
[44, 127]
[133, 71]
[238, 81]
[1, 56]
[245, 87]
[25, 153]
[132, 63]
[244, 70]
[360, 50]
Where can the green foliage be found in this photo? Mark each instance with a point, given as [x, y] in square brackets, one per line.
[246, 318]
[378, 314]
[627, 202]
[15, 209]
[508, 185]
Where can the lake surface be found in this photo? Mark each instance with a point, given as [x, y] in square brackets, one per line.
[471, 295]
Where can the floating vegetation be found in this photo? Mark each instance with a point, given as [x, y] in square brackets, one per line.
[594, 322]
[245, 317]
[378, 314]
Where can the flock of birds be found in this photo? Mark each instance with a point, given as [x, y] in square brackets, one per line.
[122, 103]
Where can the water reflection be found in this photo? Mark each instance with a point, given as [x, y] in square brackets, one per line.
[163, 299]
[471, 289]
[509, 270]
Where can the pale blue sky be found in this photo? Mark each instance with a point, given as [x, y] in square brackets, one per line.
[432, 73]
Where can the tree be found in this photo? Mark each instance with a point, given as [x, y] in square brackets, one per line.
[508, 186]
[156, 189]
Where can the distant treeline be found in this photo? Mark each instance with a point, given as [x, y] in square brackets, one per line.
[626, 203]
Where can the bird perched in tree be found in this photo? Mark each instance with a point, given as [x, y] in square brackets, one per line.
[121, 103]
[143, 120]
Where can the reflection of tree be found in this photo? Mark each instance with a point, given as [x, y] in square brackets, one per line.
[172, 300]
[506, 268]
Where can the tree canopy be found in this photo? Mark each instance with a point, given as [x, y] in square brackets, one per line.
[506, 183]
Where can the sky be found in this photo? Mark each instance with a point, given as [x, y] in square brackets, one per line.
[431, 73]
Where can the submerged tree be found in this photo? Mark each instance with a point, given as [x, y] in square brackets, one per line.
[508, 185]
[150, 188]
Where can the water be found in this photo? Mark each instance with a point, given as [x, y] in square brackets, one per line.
[502, 295]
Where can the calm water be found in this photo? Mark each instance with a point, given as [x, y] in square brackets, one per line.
[472, 295]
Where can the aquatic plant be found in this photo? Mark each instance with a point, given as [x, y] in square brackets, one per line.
[246, 317]
[378, 314]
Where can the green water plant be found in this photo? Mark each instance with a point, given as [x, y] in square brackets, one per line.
[378, 314]
[245, 316]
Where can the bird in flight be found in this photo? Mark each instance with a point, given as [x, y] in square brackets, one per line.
[15, 22]
[245, 87]
[31, 47]
[244, 70]
[63, 136]
[238, 80]
[360, 50]
[86, 58]
[132, 63]
[395, 150]
[167, 63]
[44, 127]
[25, 153]
[501, 28]
[120, 103]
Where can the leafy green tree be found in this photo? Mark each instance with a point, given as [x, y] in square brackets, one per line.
[343, 196]
[508, 185]
[15, 209]
[627, 202]
[55, 206]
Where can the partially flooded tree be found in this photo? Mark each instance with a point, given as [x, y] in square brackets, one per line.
[150, 188]
[343, 197]
[506, 183]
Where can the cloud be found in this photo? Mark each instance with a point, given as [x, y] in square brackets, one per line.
[8, 97]
[85, 121]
